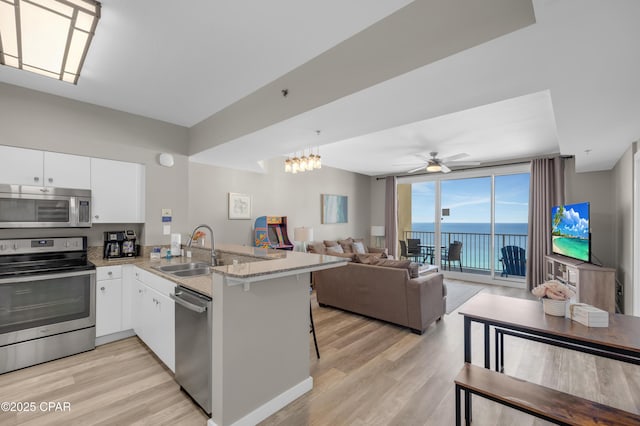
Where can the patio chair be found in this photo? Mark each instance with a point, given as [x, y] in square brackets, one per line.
[404, 253]
[414, 249]
[454, 253]
[513, 261]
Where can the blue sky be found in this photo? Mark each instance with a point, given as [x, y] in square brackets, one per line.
[575, 220]
[469, 200]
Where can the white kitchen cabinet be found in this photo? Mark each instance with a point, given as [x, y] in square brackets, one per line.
[67, 171]
[117, 191]
[108, 300]
[153, 314]
[21, 166]
[127, 294]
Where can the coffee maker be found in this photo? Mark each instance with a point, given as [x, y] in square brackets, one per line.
[118, 244]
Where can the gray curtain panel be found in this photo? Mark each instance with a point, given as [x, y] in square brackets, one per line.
[546, 191]
[391, 215]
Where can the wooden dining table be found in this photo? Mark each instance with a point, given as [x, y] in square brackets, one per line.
[526, 319]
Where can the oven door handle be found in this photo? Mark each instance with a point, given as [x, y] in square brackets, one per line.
[29, 278]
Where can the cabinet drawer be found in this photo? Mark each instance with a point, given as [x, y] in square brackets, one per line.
[108, 272]
[161, 285]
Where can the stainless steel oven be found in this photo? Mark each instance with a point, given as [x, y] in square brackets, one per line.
[47, 300]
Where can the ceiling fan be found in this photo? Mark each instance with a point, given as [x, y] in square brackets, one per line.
[434, 164]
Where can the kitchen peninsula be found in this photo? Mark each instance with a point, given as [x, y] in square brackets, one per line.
[261, 331]
[260, 326]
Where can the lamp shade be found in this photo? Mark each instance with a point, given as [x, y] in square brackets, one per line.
[377, 231]
[303, 234]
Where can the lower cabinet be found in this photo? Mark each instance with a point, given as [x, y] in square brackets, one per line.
[109, 300]
[128, 297]
[153, 314]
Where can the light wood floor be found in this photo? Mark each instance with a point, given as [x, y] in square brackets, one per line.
[370, 373]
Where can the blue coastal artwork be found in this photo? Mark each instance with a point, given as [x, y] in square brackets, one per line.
[334, 208]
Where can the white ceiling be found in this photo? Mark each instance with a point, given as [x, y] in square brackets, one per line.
[566, 84]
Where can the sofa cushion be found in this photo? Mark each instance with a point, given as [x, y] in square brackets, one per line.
[334, 249]
[350, 256]
[330, 243]
[316, 247]
[358, 247]
[412, 267]
[366, 258]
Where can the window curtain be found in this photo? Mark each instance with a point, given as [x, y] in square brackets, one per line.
[391, 215]
[546, 191]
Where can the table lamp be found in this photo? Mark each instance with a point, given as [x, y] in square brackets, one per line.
[303, 235]
[377, 231]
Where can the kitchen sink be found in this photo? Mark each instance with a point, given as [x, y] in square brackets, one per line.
[192, 272]
[183, 267]
[191, 269]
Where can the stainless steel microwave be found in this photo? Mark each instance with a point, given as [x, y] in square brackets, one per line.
[24, 206]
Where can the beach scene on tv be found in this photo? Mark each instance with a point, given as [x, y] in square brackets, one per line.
[570, 230]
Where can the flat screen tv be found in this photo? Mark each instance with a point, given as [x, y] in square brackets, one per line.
[570, 234]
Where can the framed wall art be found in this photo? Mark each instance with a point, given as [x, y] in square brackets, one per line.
[334, 208]
[239, 206]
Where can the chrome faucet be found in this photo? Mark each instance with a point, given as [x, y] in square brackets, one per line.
[214, 259]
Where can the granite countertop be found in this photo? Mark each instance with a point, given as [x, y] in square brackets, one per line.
[253, 264]
[256, 263]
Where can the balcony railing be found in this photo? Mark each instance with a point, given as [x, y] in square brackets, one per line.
[476, 248]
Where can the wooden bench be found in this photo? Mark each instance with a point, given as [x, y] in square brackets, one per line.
[539, 401]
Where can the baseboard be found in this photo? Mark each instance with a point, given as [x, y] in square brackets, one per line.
[277, 403]
[115, 336]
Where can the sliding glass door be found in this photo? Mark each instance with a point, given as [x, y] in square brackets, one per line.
[471, 224]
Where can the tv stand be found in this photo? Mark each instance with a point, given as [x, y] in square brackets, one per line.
[595, 285]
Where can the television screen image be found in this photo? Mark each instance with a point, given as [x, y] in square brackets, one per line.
[570, 231]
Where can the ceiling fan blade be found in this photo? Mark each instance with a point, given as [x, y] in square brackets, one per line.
[444, 168]
[416, 169]
[464, 163]
[454, 157]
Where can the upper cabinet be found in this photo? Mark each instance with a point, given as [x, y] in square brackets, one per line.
[20, 166]
[117, 191]
[67, 171]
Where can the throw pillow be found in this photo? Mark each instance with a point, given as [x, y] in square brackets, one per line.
[358, 247]
[347, 245]
[361, 240]
[334, 249]
[330, 243]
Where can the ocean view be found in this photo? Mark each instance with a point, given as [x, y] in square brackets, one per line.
[475, 238]
[473, 228]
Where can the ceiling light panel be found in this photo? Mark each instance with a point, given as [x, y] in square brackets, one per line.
[48, 37]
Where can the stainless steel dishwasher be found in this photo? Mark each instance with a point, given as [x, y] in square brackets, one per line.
[193, 345]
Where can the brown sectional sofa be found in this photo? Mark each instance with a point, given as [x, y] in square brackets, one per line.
[384, 292]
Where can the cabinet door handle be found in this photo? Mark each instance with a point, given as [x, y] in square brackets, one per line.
[110, 273]
[36, 179]
[97, 216]
[50, 180]
[102, 288]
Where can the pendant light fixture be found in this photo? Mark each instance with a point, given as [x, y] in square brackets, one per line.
[303, 163]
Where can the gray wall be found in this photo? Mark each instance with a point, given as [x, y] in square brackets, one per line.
[622, 209]
[31, 119]
[277, 193]
[597, 188]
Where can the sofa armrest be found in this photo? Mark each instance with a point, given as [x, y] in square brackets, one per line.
[426, 297]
